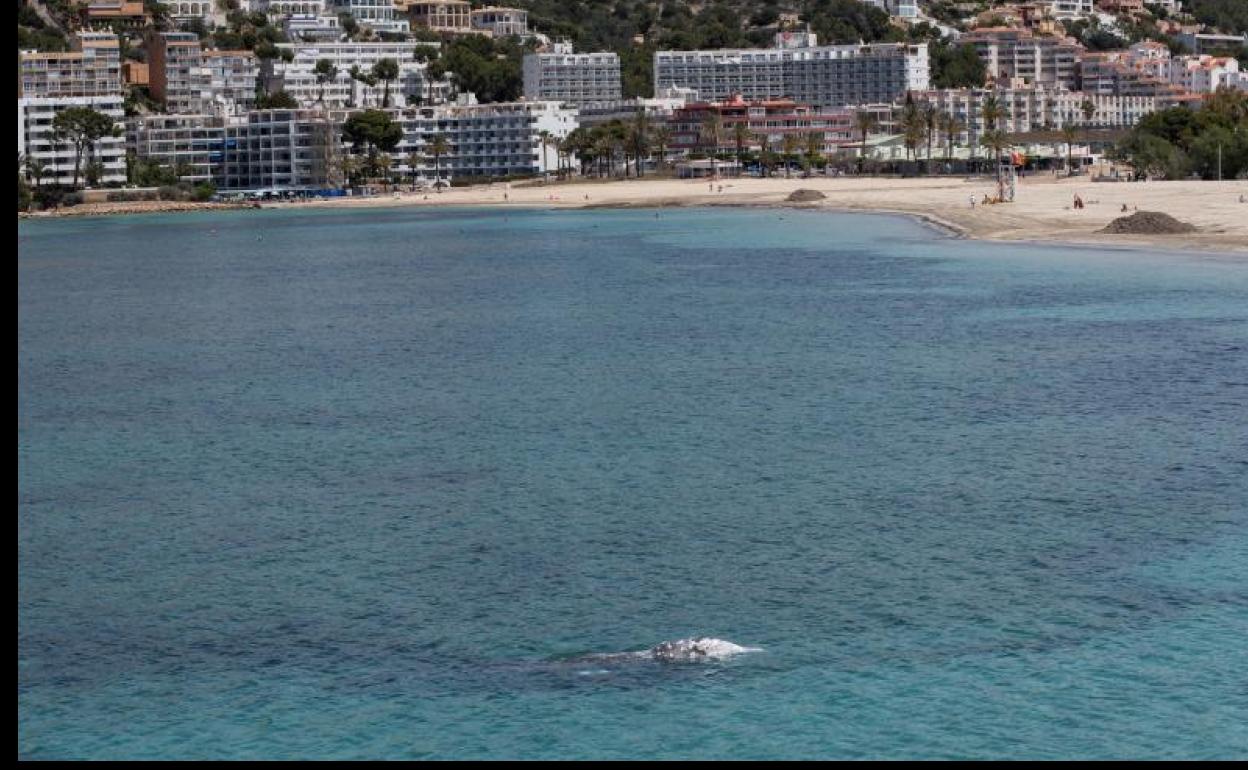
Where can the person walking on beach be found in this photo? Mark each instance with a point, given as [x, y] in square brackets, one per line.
[972, 200]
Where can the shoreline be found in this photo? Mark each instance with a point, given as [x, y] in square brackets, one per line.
[1041, 213]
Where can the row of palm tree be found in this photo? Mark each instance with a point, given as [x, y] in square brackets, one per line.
[384, 71]
[611, 148]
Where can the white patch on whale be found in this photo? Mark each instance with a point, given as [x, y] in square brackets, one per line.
[696, 649]
[693, 650]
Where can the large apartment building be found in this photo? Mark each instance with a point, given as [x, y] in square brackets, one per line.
[298, 77]
[1038, 60]
[51, 82]
[92, 68]
[770, 120]
[1037, 109]
[190, 81]
[191, 145]
[488, 140]
[574, 78]
[826, 76]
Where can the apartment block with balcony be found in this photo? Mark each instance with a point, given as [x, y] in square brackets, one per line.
[191, 145]
[827, 76]
[488, 140]
[500, 22]
[574, 78]
[91, 68]
[454, 16]
[298, 78]
[377, 15]
[1039, 60]
[51, 82]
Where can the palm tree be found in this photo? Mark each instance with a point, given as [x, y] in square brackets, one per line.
[712, 131]
[35, 169]
[996, 141]
[788, 148]
[639, 135]
[415, 159]
[325, 72]
[383, 163]
[766, 158]
[385, 70]
[437, 146]
[1088, 108]
[993, 112]
[1070, 132]
[953, 126]
[865, 123]
[548, 140]
[740, 135]
[913, 128]
[660, 138]
[814, 149]
[931, 124]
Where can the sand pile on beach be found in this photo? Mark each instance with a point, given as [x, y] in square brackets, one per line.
[1148, 223]
[805, 195]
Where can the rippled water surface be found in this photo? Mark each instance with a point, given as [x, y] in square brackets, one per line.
[374, 483]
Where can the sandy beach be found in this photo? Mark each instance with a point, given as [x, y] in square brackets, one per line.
[1042, 211]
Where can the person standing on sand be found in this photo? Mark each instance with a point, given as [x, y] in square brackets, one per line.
[972, 200]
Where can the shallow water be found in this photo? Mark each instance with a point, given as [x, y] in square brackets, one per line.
[373, 483]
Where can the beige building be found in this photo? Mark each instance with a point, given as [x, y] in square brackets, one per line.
[1039, 60]
[501, 22]
[92, 68]
[440, 15]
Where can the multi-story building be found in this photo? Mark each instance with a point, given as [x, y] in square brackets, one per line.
[298, 77]
[92, 68]
[281, 149]
[192, 146]
[501, 22]
[1071, 9]
[1209, 42]
[377, 15]
[291, 7]
[124, 14]
[37, 140]
[232, 77]
[312, 27]
[176, 72]
[903, 9]
[657, 110]
[771, 121]
[51, 82]
[574, 78]
[190, 81]
[1037, 109]
[1039, 60]
[453, 16]
[208, 12]
[827, 76]
[487, 140]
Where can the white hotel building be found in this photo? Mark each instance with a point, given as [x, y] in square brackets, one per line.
[575, 78]
[298, 77]
[1036, 109]
[488, 140]
[824, 76]
[377, 15]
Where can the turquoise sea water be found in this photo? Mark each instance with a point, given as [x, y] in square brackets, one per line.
[365, 484]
